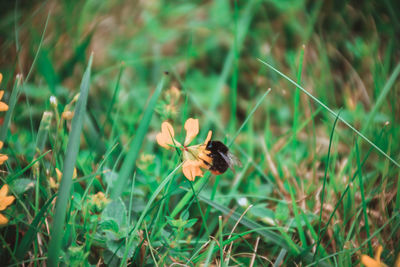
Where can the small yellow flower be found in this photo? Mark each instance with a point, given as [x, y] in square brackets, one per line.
[145, 160]
[54, 184]
[173, 94]
[67, 115]
[5, 201]
[376, 262]
[194, 157]
[3, 106]
[98, 201]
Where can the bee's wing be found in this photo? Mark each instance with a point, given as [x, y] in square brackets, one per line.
[235, 159]
[231, 159]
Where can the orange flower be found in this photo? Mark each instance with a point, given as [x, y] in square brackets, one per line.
[376, 262]
[3, 106]
[5, 201]
[194, 157]
[2, 156]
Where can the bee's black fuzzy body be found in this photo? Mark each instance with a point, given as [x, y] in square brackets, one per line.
[219, 164]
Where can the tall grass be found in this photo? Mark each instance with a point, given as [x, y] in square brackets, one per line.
[319, 176]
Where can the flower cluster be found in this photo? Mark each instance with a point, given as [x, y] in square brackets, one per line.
[3, 107]
[195, 157]
[98, 202]
[167, 107]
[5, 201]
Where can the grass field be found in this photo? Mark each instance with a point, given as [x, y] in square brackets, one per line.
[304, 93]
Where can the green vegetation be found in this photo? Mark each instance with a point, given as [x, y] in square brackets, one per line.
[304, 93]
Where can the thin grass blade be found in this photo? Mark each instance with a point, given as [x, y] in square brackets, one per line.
[69, 164]
[324, 183]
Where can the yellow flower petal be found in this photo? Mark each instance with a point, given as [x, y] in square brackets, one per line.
[1, 94]
[192, 130]
[166, 137]
[208, 139]
[52, 183]
[59, 175]
[3, 158]
[191, 169]
[4, 191]
[1, 145]
[6, 201]
[370, 262]
[397, 263]
[3, 219]
[378, 254]
[3, 106]
[1, 77]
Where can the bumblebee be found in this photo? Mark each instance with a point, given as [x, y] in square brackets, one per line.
[222, 159]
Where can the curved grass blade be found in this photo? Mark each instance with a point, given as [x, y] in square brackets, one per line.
[12, 178]
[69, 164]
[332, 112]
[130, 159]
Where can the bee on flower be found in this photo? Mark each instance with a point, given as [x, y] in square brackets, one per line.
[209, 155]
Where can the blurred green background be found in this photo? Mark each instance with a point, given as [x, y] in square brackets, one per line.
[345, 53]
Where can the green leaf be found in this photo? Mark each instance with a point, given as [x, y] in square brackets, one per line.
[263, 213]
[118, 247]
[109, 225]
[190, 223]
[282, 212]
[116, 211]
[22, 185]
